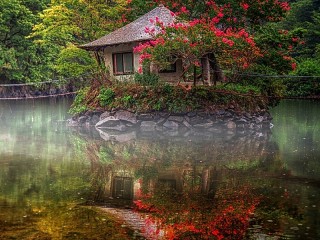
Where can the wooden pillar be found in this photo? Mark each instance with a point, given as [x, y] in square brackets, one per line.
[217, 72]
[205, 69]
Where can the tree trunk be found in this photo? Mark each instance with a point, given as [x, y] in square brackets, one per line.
[194, 75]
[217, 72]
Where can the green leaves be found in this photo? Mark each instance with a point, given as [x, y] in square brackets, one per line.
[106, 96]
[16, 52]
[39, 41]
[73, 61]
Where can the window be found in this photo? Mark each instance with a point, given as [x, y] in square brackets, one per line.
[122, 63]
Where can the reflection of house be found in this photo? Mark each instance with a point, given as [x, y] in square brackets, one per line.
[119, 186]
[117, 47]
[122, 187]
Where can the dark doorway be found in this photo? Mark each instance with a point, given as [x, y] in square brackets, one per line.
[122, 188]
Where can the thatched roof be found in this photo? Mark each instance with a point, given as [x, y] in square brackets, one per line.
[134, 31]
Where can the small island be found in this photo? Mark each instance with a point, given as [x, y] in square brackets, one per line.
[151, 79]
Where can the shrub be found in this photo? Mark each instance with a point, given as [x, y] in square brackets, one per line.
[79, 103]
[146, 79]
[106, 96]
[167, 89]
[302, 87]
[127, 100]
[308, 67]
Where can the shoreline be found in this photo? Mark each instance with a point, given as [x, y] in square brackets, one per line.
[123, 125]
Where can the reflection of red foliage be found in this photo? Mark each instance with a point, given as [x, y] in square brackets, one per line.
[226, 219]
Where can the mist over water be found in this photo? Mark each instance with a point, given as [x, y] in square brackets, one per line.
[265, 185]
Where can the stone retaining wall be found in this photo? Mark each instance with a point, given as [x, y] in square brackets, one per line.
[123, 120]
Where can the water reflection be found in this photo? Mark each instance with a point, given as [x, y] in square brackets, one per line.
[298, 136]
[199, 185]
[224, 188]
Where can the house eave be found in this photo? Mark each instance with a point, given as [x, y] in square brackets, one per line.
[97, 48]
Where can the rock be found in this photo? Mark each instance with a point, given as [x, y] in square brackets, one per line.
[221, 121]
[72, 123]
[187, 124]
[148, 125]
[267, 116]
[111, 123]
[126, 116]
[171, 124]
[107, 122]
[240, 125]
[157, 118]
[259, 119]
[82, 119]
[176, 118]
[203, 114]
[204, 125]
[247, 115]
[163, 114]
[228, 114]
[231, 125]
[119, 137]
[197, 120]
[105, 115]
[266, 125]
[160, 121]
[220, 112]
[145, 117]
[94, 120]
[242, 121]
[91, 113]
[192, 114]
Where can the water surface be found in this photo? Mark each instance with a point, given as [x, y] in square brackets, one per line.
[195, 185]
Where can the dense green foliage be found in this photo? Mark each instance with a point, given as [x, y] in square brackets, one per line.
[79, 104]
[20, 58]
[38, 39]
[106, 96]
[146, 79]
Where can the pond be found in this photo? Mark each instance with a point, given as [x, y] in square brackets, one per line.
[66, 183]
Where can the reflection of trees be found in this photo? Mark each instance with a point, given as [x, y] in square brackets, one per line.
[64, 221]
[297, 133]
[25, 181]
[32, 127]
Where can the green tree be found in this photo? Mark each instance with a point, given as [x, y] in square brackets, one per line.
[68, 23]
[305, 17]
[17, 54]
[73, 61]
